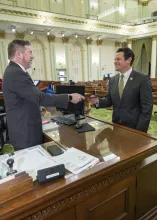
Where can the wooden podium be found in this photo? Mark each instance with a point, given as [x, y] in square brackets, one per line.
[14, 186]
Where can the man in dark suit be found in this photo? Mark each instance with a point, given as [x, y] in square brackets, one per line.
[129, 92]
[23, 99]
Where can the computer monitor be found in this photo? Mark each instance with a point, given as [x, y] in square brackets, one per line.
[107, 75]
[77, 109]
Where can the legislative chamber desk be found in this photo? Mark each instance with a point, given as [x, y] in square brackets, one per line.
[121, 188]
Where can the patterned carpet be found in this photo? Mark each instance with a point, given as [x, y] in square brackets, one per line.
[106, 115]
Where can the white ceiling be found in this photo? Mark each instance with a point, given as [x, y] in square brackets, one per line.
[27, 28]
[134, 14]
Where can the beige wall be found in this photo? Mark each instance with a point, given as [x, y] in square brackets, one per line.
[106, 56]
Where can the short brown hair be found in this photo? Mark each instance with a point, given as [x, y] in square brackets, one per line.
[16, 44]
[127, 53]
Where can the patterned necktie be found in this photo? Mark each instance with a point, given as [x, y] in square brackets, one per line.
[121, 85]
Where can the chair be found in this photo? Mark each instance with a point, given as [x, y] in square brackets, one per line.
[3, 129]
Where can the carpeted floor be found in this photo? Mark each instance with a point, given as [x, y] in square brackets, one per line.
[106, 115]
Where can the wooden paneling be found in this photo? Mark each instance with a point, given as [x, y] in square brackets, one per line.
[120, 198]
[147, 188]
[107, 191]
[67, 214]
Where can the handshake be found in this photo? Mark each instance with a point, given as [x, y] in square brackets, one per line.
[75, 98]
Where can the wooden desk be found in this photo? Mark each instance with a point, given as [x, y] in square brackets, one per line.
[117, 189]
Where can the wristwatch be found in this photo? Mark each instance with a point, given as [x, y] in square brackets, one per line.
[70, 98]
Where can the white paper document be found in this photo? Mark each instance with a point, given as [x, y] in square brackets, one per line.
[50, 126]
[31, 160]
[110, 157]
[75, 160]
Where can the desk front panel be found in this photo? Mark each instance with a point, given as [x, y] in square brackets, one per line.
[106, 191]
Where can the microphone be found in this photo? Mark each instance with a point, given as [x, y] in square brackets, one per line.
[33, 71]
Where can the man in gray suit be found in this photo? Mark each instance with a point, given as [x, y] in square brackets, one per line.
[129, 92]
[23, 99]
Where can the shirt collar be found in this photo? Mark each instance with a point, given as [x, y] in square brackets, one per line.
[127, 73]
[20, 66]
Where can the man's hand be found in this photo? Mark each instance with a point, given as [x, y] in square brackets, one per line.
[93, 99]
[77, 98]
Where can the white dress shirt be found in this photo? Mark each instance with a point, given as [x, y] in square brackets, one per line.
[20, 66]
[126, 76]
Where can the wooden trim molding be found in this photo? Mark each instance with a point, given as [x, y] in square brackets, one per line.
[91, 190]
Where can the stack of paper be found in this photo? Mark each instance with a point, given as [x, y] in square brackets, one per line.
[31, 160]
[110, 156]
[50, 126]
[75, 160]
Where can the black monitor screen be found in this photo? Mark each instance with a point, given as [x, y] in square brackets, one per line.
[77, 109]
[107, 75]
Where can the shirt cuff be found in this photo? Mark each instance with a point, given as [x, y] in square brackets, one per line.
[97, 105]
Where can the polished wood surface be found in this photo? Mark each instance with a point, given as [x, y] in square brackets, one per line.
[106, 138]
[116, 189]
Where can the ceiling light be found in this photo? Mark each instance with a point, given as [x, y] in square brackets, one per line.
[13, 30]
[81, 1]
[122, 10]
[49, 21]
[48, 33]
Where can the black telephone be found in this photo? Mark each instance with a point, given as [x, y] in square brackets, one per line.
[54, 150]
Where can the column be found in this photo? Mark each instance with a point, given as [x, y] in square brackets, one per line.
[117, 45]
[99, 43]
[3, 53]
[139, 10]
[89, 57]
[153, 57]
[67, 61]
[51, 39]
[65, 41]
[129, 41]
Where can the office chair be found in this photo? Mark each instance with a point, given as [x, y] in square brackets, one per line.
[3, 129]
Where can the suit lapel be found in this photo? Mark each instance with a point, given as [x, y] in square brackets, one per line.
[11, 63]
[128, 84]
[116, 84]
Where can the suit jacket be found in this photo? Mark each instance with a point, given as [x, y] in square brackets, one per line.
[134, 109]
[22, 101]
